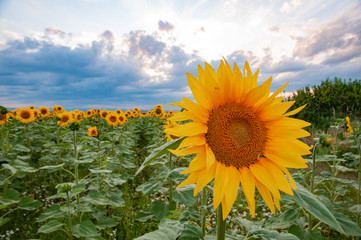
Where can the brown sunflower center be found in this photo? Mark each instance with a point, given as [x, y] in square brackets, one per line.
[158, 111]
[236, 135]
[25, 115]
[65, 118]
[44, 111]
[113, 119]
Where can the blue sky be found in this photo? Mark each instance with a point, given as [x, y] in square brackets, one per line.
[125, 54]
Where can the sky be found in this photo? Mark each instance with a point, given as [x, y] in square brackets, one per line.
[118, 54]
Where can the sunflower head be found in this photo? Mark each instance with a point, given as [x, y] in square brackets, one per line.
[44, 111]
[65, 118]
[32, 107]
[112, 119]
[25, 115]
[104, 113]
[93, 132]
[242, 135]
[122, 118]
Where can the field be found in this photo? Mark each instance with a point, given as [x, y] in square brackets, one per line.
[61, 178]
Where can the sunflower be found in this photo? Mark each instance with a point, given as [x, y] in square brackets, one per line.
[348, 126]
[65, 118]
[118, 111]
[89, 113]
[79, 116]
[36, 113]
[122, 118]
[128, 114]
[32, 107]
[136, 112]
[93, 132]
[104, 113]
[4, 118]
[112, 118]
[25, 115]
[59, 108]
[158, 111]
[44, 111]
[241, 134]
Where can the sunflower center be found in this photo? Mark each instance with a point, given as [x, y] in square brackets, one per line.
[158, 111]
[65, 118]
[113, 119]
[236, 135]
[44, 111]
[25, 115]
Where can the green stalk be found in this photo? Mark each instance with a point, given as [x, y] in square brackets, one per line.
[100, 164]
[76, 169]
[314, 152]
[359, 175]
[204, 211]
[221, 224]
[170, 180]
[69, 216]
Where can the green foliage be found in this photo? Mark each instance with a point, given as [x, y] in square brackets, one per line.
[329, 100]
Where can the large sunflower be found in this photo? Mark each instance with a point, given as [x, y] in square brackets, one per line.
[65, 118]
[241, 135]
[44, 111]
[25, 115]
[112, 118]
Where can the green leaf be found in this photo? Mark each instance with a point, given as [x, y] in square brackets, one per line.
[21, 148]
[191, 232]
[151, 186]
[52, 212]
[160, 209]
[349, 227]
[159, 152]
[185, 196]
[50, 226]
[106, 222]
[313, 205]
[96, 198]
[9, 197]
[100, 171]
[51, 167]
[313, 235]
[144, 216]
[85, 229]
[4, 220]
[116, 200]
[29, 204]
[356, 208]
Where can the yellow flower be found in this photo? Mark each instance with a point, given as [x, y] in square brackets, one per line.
[25, 115]
[241, 134]
[112, 118]
[122, 118]
[44, 111]
[4, 118]
[93, 132]
[128, 114]
[328, 140]
[104, 113]
[65, 118]
[89, 113]
[158, 111]
[136, 112]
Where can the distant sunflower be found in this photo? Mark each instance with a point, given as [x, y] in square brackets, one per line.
[4, 118]
[65, 118]
[112, 118]
[89, 113]
[128, 114]
[25, 115]
[118, 111]
[158, 112]
[79, 116]
[93, 132]
[122, 118]
[59, 109]
[44, 111]
[32, 107]
[36, 113]
[241, 134]
[104, 113]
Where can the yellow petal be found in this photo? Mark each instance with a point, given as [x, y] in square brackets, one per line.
[187, 151]
[188, 129]
[264, 177]
[290, 161]
[290, 178]
[210, 157]
[186, 115]
[259, 94]
[231, 190]
[196, 108]
[220, 181]
[178, 104]
[192, 178]
[195, 140]
[278, 176]
[199, 93]
[205, 177]
[293, 112]
[266, 195]
[196, 164]
[248, 186]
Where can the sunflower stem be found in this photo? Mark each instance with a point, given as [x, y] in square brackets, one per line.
[170, 180]
[204, 210]
[314, 153]
[221, 224]
[357, 138]
[76, 169]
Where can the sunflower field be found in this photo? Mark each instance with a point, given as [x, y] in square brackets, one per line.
[233, 164]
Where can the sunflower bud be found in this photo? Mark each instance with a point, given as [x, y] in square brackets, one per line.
[74, 126]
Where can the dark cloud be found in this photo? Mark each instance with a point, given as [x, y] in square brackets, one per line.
[339, 39]
[165, 26]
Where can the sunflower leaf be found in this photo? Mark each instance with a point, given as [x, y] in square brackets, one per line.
[159, 152]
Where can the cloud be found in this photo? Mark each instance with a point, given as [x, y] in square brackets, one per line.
[165, 26]
[335, 41]
[290, 6]
[35, 70]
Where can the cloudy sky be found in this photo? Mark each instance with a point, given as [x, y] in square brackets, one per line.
[124, 54]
